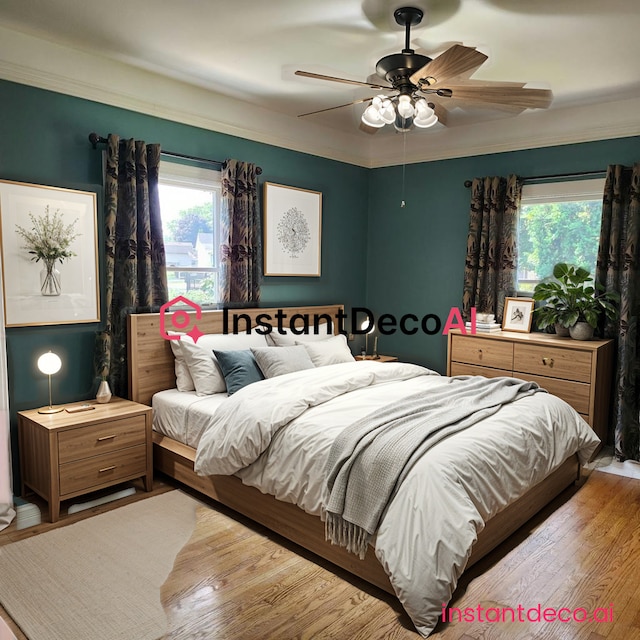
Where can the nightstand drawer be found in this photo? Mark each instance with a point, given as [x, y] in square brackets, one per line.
[84, 442]
[482, 352]
[105, 469]
[555, 362]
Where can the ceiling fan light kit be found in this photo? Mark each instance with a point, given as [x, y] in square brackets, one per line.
[413, 76]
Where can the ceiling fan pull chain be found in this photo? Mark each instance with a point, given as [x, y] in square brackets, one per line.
[404, 164]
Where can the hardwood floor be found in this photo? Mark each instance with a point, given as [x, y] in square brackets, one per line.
[235, 580]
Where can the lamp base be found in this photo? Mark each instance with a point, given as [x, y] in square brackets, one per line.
[50, 410]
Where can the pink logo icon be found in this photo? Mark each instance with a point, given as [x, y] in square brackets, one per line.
[179, 319]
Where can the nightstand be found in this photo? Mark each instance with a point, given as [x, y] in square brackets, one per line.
[64, 455]
[379, 358]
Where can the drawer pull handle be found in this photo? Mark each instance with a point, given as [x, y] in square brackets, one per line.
[106, 438]
[548, 361]
[111, 468]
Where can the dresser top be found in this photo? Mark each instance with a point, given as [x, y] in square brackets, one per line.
[537, 337]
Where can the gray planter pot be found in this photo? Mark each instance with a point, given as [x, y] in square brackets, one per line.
[581, 331]
[562, 332]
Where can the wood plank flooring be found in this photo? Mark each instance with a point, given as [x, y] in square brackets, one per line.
[235, 580]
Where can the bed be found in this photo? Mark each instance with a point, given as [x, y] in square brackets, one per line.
[296, 512]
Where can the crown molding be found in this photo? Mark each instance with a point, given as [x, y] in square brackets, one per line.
[47, 65]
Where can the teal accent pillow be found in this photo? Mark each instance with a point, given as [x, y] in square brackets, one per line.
[239, 369]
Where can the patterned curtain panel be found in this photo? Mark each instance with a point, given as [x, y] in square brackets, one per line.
[618, 269]
[136, 279]
[241, 249]
[490, 272]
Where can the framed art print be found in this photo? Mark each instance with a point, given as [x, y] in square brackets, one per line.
[49, 255]
[292, 231]
[518, 314]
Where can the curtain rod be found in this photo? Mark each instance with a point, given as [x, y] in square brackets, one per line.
[95, 139]
[578, 174]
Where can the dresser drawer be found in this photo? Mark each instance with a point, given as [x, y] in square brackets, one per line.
[576, 394]
[463, 369]
[84, 442]
[105, 469]
[482, 352]
[555, 362]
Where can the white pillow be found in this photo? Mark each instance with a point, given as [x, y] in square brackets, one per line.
[288, 338]
[331, 351]
[203, 366]
[277, 362]
[184, 381]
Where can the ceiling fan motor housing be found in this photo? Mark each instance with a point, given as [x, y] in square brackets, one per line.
[398, 67]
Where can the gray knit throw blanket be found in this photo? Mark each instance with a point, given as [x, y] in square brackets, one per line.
[370, 458]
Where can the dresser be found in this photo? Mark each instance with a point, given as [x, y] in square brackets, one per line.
[579, 372]
[67, 454]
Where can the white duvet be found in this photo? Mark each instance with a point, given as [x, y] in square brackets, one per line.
[276, 435]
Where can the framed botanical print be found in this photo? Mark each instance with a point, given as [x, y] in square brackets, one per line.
[518, 314]
[49, 255]
[292, 231]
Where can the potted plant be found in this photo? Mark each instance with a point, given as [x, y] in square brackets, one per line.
[573, 303]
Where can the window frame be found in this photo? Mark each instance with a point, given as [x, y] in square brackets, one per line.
[557, 191]
[190, 176]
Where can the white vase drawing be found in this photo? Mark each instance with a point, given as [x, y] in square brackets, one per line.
[50, 281]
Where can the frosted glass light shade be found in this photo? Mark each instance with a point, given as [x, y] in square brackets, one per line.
[405, 108]
[371, 117]
[49, 363]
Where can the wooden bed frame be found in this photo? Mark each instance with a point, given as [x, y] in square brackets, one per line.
[151, 369]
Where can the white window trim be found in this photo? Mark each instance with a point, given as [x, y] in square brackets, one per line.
[592, 189]
[177, 174]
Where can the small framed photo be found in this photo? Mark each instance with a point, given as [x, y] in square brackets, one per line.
[518, 314]
[49, 251]
[292, 231]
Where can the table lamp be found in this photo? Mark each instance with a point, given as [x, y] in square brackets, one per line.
[49, 364]
[363, 326]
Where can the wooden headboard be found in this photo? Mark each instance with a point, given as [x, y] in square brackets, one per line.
[151, 364]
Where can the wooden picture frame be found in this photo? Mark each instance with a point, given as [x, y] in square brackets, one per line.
[292, 231]
[32, 295]
[518, 313]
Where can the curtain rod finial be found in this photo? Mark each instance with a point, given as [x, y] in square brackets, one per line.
[467, 183]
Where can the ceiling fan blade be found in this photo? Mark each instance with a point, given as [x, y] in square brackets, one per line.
[319, 76]
[348, 104]
[503, 95]
[367, 129]
[441, 112]
[453, 62]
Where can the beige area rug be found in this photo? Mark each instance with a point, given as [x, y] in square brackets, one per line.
[100, 578]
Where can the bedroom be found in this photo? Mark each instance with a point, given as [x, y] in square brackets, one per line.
[375, 254]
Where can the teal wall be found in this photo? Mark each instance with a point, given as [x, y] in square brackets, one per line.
[375, 253]
[416, 254]
[44, 140]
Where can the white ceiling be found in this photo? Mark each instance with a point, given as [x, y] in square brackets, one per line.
[229, 66]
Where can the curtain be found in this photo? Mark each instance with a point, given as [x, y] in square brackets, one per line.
[618, 269]
[241, 248]
[490, 273]
[136, 279]
[7, 511]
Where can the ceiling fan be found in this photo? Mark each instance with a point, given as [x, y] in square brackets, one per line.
[419, 87]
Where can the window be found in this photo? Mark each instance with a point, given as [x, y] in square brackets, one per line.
[558, 222]
[190, 210]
